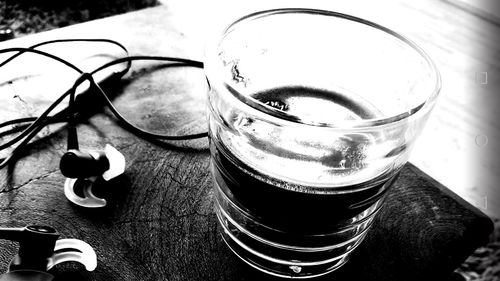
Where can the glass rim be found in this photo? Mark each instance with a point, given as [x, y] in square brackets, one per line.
[423, 107]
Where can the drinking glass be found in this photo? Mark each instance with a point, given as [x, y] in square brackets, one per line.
[312, 115]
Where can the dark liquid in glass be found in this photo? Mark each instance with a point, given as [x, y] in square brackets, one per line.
[298, 210]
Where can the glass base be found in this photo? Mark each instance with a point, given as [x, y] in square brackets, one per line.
[281, 260]
[283, 269]
[280, 232]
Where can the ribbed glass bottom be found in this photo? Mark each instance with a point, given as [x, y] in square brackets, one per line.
[274, 252]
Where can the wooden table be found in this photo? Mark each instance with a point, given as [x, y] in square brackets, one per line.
[160, 224]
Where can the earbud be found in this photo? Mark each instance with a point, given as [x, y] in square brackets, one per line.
[36, 246]
[40, 249]
[78, 164]
[82, 170]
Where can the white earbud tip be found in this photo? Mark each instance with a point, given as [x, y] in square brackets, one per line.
[116, 163]
[89, 201]
[73, 250]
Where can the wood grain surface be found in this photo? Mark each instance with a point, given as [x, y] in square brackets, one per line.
[159, 223]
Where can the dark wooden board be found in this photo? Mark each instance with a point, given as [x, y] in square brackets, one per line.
[160, 223]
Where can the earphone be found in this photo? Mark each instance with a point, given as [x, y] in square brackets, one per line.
[40, 249]
[82, 169]
[106, 164]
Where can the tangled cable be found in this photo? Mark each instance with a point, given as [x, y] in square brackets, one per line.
[31, 126]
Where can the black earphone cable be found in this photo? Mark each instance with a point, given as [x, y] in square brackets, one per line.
[42, 53]
[31, 131]
[103, 40]
[35, 124]
[18, 128]
[49, 119]
[39, 119]
[126, 122]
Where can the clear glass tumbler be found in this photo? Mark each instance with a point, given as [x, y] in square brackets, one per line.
[312, 115]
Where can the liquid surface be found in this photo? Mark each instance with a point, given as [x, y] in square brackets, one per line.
[317, 105]
[304, 155]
